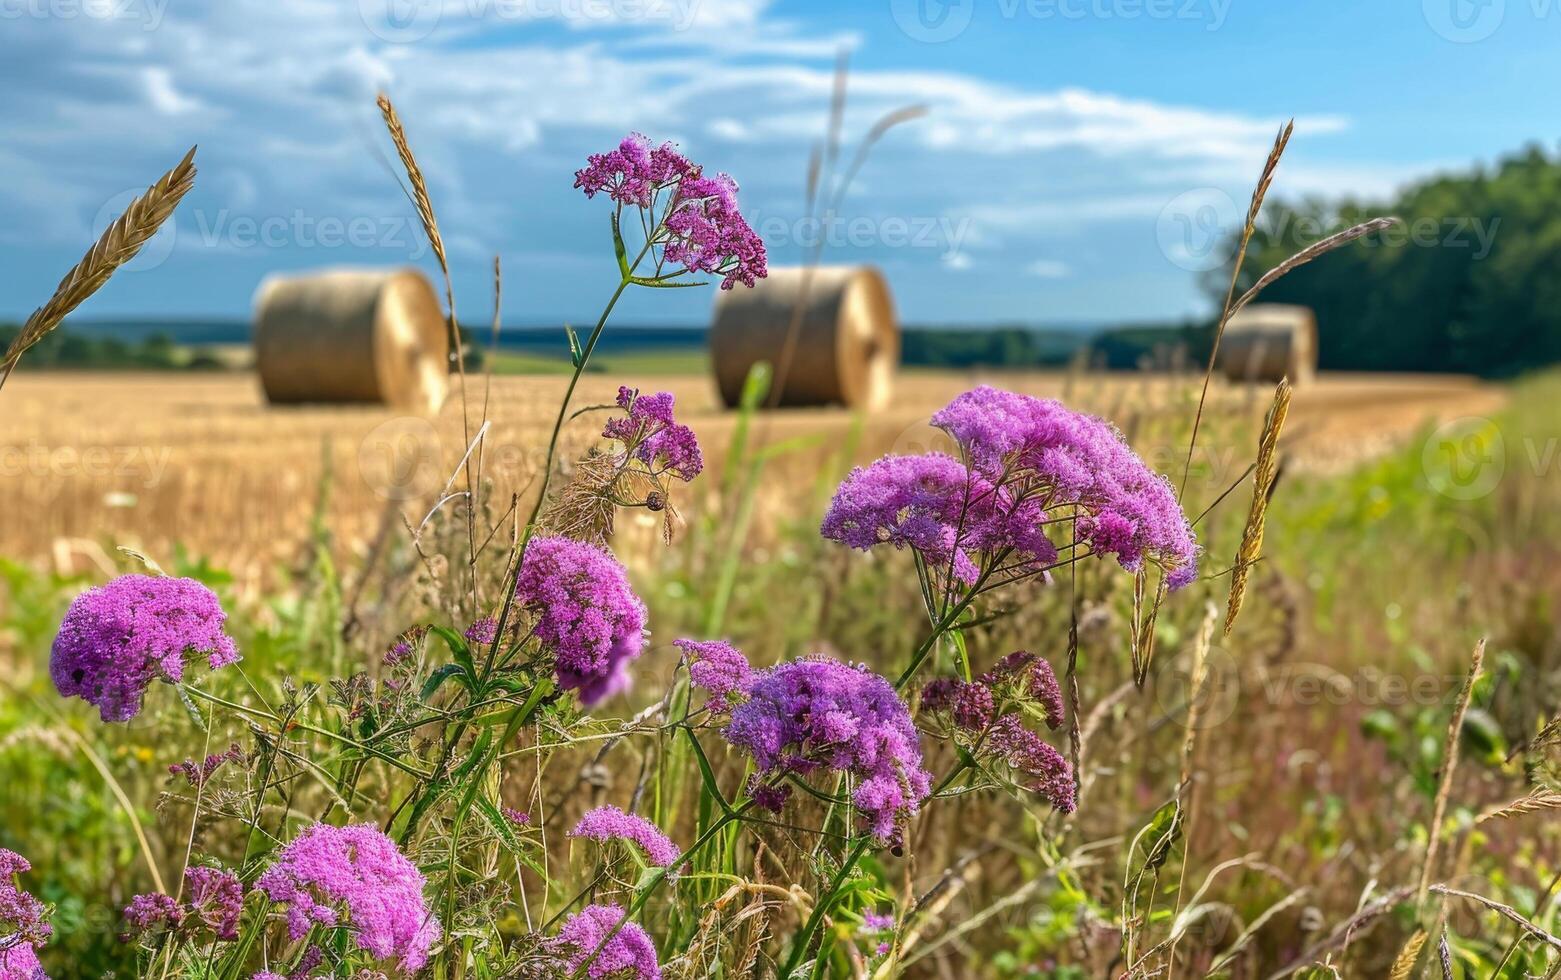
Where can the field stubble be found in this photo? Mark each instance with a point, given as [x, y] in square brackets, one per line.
[148, 461]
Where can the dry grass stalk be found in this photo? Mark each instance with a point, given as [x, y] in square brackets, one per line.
[1263, 475]
[425, 214]
[1404, 963]
[1185, 796]
[117, 245]
[1505, 911]
[1449, 764]
[1265, 180]
[420, 200]
[1539, 799]
[1310, 252]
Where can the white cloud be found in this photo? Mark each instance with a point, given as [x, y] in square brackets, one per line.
[1048, 269]
[502, 99]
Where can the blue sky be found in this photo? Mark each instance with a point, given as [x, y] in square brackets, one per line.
[1075, 154]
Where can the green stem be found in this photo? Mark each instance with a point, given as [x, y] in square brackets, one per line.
[819, 910]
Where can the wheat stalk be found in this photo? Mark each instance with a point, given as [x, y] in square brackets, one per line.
[425, 214]
[117, 245]
[1264, 473]
[1449, 763]
[1404, 963]
[1540, 799]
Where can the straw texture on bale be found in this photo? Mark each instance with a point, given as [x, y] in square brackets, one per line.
[1270, 341]
[847, 343]
[352, 335]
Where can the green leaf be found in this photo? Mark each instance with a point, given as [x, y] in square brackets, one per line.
[618, 249]
[443, 673]
[575, 351]
[705, 772]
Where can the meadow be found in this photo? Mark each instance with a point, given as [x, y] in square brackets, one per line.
[368, 695]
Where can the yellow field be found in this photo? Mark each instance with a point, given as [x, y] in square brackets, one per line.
[97, 461]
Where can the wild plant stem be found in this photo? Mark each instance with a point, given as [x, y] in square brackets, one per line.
[824, 902]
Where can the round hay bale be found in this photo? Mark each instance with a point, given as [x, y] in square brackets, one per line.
[1269, 341]
[847, 341]
[352, 335]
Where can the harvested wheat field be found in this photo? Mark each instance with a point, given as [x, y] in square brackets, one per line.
[150, 460]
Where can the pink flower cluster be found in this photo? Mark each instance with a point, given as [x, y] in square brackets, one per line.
[609, 823]
[933, 504]
[24, 922]
[354, 877]
[702, 228]
[628, 955]
[1064, 458]
[650, 434]
[119, 637]
[719, 669]
[989, 711]
[818, 713]
[587, 615]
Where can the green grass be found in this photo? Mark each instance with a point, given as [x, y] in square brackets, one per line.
[692, 360]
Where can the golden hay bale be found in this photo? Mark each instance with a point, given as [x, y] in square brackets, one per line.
[1269, 341]
[352, 335]
[847, 341]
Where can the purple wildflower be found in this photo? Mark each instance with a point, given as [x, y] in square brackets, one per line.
[817, 713]
[199, 773]
[24, 924]
[1031, 678]
[587, 615]
[650, 434]
[217, 899]
[934, 504]
[717, 667]
[978, 710]
[701, 227]
[607, 823]
[354, 876]
[156, 911]
[20, 962]
[628, 954]
[483, 631]
[119, 637]
[877, 921]
[1072, 459]
[709, 233]
[519, 818]
[1042, 768]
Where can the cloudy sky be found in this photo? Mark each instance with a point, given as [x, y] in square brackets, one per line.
[1075, 160]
